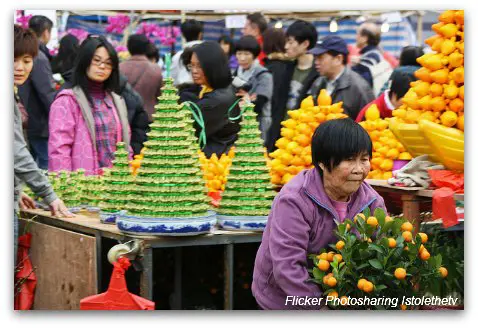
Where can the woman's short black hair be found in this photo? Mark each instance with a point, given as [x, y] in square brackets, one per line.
[213, 61]
[336, 140]
[40, 24]
[25, 42]
[248, 43]
[227, 40]
[301, 31]
[191, 29]
[67, 52]
[274, 41]
[83, 62]
[258, 19]
[409, 55]
[138, 44]
[400, 83]
[152, 52]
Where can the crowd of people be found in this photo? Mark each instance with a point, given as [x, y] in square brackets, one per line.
[103, 101]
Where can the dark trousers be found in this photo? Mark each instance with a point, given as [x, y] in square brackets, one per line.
[39, 151]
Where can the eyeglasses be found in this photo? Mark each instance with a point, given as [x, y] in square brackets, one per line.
[190, 67]
[97, 62]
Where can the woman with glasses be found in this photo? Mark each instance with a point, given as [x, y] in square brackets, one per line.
[88, 119]
[208, 65]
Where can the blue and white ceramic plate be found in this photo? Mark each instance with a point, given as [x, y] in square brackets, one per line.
[110, 217]
[75, 209]
[166, 226]
[244, 223]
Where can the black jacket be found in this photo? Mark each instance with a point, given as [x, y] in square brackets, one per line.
[37, 95]
[137, 115]
[351, 88]
[282, 71]
[221, 133]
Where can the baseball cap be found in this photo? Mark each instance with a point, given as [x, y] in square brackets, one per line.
[332, 42]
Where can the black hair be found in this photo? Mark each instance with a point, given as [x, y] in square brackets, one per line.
[336, 140]
[40, 24]
[214, 63]
[409, 55]
[259, 20]
[152, 52]
[274, 41]
[191, 29]
[301, 31]
[83, 62]
[373, 39]
[67, 52]
[227, 40]
[336, 53]
[25, 42]
[248, 43]
[400, 83]
[138, 44]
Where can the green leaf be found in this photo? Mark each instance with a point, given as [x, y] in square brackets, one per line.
[380, 287]
[362, 266]
[438, 260]
[376, 264]
[388, 274]
[319, 275]
[380, 215]
[366, 212]
[399, 240]
[376, 248]
[341, 229]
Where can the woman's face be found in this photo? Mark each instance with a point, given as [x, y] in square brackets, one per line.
[244, 58]
[225, 47]
[346, 178]
[22, 66]
[101, 66]
[196, 71]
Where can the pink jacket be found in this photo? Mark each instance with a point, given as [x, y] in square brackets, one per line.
[70, 144]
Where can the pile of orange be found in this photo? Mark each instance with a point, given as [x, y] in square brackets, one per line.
[293, 153]
[386, 148]
[215, 170]
[439, 93]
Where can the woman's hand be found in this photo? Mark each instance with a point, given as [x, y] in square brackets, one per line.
[26, 202]
[241, 93]
[58, 209]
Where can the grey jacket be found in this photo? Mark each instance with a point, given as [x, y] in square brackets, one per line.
[351, 88]
[24, 167]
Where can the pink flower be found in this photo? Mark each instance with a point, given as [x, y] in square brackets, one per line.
[117, 24]
[23, 20]
[79, 33]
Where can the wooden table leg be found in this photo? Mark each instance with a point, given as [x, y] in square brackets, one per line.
[411, 210]
[228, 276]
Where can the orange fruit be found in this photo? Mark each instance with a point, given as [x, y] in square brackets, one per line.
[400, 273]
[368, 287]
[320, 117]
[421, 249]
[372, 220]
[307, 102]
[340, 244]
[424, 255]
[403, 307]
[333, 294]
[392, 242]
[387, 164]
[460, 123]
[360, 215]
[424, 237]
[286, 158]
[276, 179]
[372, 113]
[322, 256]
[449, 118]
[326, 278]
[406, 226]
[388, 219]
[338, 257]
[330, 256]
[323, 265]
[443, 272]
[282, 143]
[290, 123]
[407, 235]
[392, 153]
[287, 133]
[324, 98]
[361, 283]
[344, 300]
[332, 282]
[302, 140]
[347, 227]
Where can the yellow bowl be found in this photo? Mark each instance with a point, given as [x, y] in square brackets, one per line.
[442, 145]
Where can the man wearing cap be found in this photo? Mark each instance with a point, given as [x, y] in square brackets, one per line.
[341, 82]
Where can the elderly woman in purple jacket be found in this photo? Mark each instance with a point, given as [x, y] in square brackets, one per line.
[306, 211]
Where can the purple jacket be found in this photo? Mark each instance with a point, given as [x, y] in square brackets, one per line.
[302, 221]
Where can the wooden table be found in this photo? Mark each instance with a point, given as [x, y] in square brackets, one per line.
[91, 226]
[411, 197]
